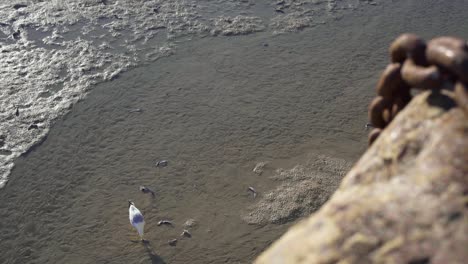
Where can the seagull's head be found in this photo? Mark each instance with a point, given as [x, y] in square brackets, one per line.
[130, 203]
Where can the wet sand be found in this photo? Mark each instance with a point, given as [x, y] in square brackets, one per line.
[214, 109]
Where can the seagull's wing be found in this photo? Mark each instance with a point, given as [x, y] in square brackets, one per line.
[130, 213]
[135, 216]
[137, 220]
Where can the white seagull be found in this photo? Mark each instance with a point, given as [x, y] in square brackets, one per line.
[136, 219]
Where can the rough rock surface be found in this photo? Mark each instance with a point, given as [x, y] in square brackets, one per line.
[405, 201]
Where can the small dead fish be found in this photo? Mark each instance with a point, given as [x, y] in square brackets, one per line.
[165, 222]
[145, 189]
[17, 111]
[162, 163]
[172, 242]
[186, 233]
[253, 191]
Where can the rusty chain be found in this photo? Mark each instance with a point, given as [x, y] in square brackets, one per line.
[442, 63]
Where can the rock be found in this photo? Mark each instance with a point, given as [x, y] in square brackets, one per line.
[259, 167]
[404, 201]
[17, 34]
[165, 222]
[18, 6]
[186, 233]
[145, 189]
[172, 242]
[253, 191]
[162, 163]
[190, 223]
[33, 126]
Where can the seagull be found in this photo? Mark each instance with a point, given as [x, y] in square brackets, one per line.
[136, 219]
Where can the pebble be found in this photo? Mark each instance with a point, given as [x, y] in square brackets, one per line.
[165, 222]
[162, 163]
[145, 189]
[186, 233]
[278, 10]
[281, 2]
[254, 192]
[259, 167]
[172, 242]
[18, 6]
[33, 126]
[190, 223]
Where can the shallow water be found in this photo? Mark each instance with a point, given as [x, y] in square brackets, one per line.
[54, 52]
[214, 109]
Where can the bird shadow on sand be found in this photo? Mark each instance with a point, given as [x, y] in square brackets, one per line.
[155, 259]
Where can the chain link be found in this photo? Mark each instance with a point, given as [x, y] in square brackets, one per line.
[442, 63]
